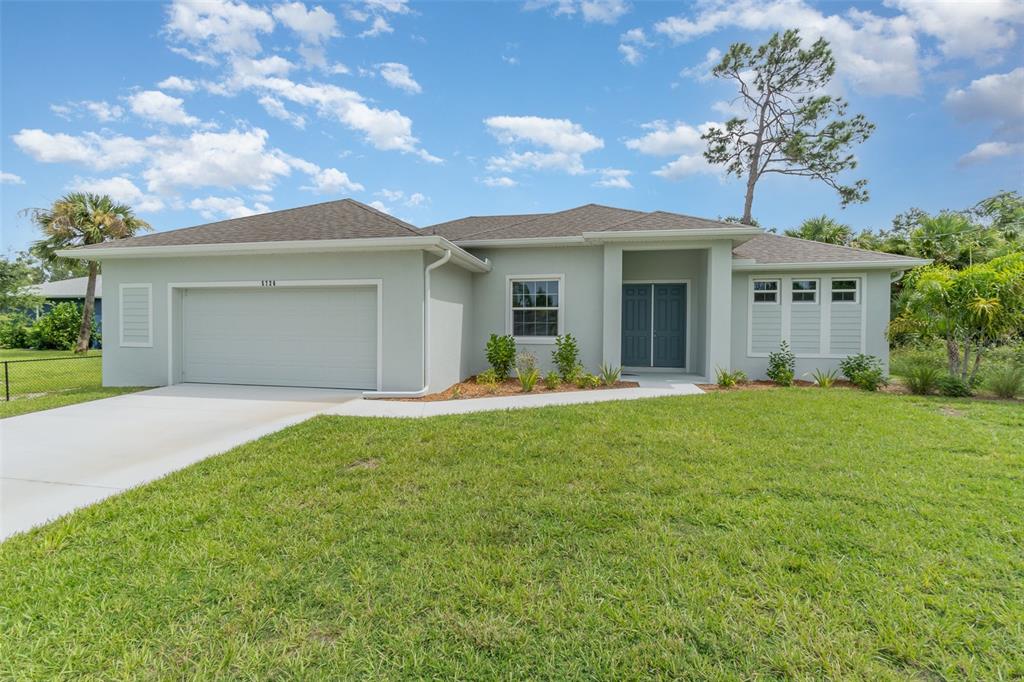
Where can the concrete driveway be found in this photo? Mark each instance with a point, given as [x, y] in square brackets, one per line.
[55, 461]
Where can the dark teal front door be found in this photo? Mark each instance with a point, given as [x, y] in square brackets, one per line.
[654, 325]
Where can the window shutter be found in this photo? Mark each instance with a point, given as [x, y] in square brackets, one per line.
[136, 315]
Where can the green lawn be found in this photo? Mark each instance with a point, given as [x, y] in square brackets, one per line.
[62, 379]
[760, 534]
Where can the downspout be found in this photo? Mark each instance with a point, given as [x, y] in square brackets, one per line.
[426, 337]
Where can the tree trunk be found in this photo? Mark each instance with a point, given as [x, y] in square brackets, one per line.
[748, 201]
[953, 356]
[966, 365]
[90, 302]
[977, 364]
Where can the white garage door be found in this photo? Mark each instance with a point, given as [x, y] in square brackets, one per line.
[317, 337]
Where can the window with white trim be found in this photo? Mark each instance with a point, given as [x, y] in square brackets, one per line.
[766, 290]
[805, 291]
[535, 307]
[845, 290]
[136, 309]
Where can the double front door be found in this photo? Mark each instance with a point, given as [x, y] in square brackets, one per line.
[654, 325]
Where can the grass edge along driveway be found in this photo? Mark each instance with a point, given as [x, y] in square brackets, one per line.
[778, 533]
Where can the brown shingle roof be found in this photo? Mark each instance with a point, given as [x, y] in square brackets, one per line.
[462, 227]
[775, 248]
[344, 219]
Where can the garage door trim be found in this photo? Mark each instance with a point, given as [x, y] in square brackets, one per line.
[172, 373]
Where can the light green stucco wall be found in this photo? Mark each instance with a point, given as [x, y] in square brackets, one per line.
[401, 272]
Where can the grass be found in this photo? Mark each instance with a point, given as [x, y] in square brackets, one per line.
[29, 354]
[60, 399]
[787, 533]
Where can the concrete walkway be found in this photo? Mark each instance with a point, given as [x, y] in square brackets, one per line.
[55, 461]
[653, 385]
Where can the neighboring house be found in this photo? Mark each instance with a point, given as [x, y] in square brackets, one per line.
[341, 295]
[69, 290]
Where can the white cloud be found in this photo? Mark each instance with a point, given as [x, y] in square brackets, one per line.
[120, 189]
[876, 55]
[222, 26]
[617, 178]
[232, 159]
[213, 208]
[11, 179]
[416, 199]
[603, 11]
[600, 11]
[565, 142]
[157, 106]
[177, 83]
[630, 43]
[101, 110]
[196, 57]
[276, 108]
[388, 6]
[997, 97]
[671, 140]
[397, 195]
[379, 205]
[501, 181]
[379, 26]
[398, 76]
[333, 181]
[978, 30]
[313, 26]
[89, 149]
[702, 71]
[987, 151]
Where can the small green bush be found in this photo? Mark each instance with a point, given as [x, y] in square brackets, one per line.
[552, 380]
[528, 378]
[501, 353]
[922, 379]
[487, 378]
[782, 365]
[58, 328]
[823, 379]
[727, 379]
[610, 375]
[863, 371]
[573, 375]
[586, 380]
[1006, 381]
[566, 355]
[954, 387]
[15, 330]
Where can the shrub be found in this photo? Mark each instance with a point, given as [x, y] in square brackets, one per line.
[727, 379]
[954, 387]
[15, 331]
[501, 353]
[610, 375]
[922, 379]
[487, 378]
[58, 328]
[863, 371]
[823, 379]
[566, 355]
[573, 375]
[1006, 381]
[587, 381]
[781, 365]
[528, 378]
[552, 380]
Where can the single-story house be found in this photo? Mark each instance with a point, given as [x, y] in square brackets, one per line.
[341, 295]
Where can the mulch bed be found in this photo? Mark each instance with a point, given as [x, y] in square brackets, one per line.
[470, 389]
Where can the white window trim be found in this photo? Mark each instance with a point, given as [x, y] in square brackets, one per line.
[778, 290]
[826, 311]
[120, 314]
[173, 288]
[561, 306]
[815, 290]
[856, 291]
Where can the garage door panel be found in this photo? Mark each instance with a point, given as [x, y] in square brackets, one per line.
[322, 337]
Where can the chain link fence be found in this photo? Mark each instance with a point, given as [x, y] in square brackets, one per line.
[41, 376]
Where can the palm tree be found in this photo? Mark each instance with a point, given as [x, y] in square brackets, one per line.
[80, 219]
[823, 229]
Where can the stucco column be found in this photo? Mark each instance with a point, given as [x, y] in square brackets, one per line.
[612, 326]
[719, 300]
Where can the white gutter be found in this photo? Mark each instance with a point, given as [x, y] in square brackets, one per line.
[830, 265]
[433, 243]
[426, 338]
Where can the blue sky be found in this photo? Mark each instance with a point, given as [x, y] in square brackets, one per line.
[195, 111]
